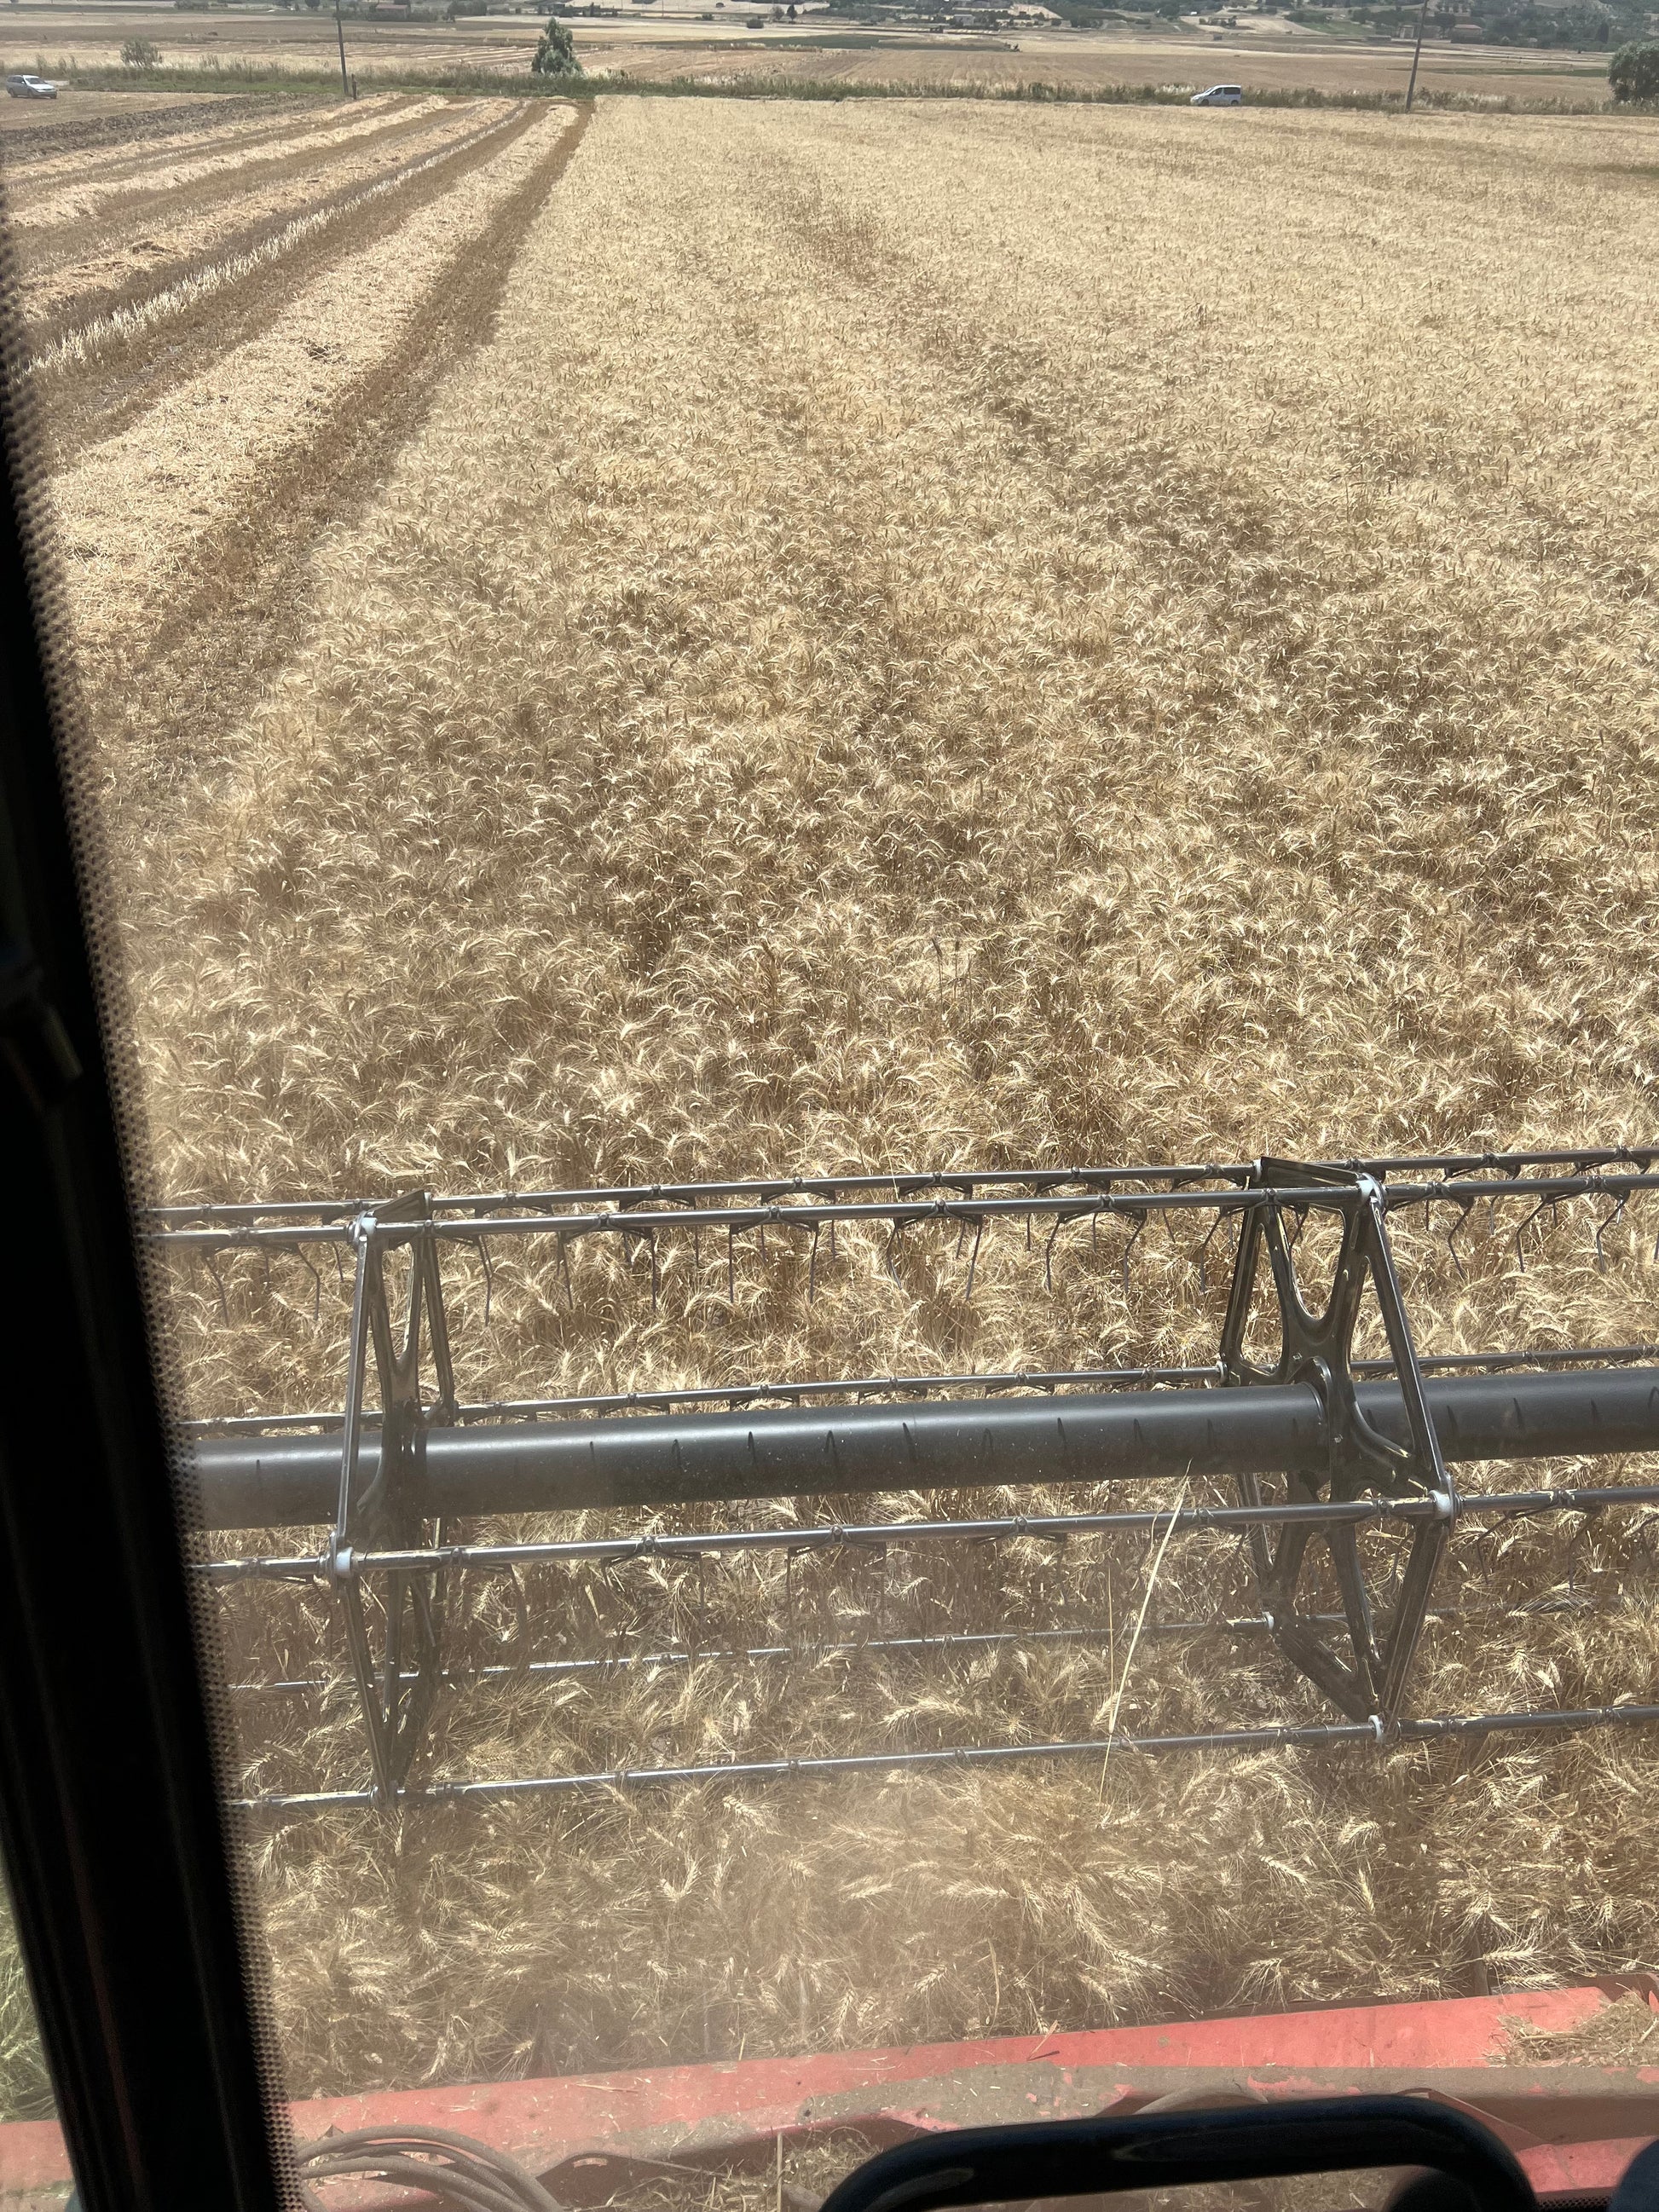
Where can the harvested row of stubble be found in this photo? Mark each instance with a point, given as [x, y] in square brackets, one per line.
[136, 504]
[100, 378]
[178, 673]
[112, 135]
[83, 196]
[130, 143]
[111, 275]
[818, 698]
[104, 274]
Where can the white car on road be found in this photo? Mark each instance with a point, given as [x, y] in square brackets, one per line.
[1219, 95]
[25, 87]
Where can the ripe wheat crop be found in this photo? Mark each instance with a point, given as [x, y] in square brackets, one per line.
[924, 635]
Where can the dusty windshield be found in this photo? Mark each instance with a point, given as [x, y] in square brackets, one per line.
[871, 811]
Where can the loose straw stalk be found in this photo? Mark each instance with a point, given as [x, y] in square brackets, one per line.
[1134, 1639]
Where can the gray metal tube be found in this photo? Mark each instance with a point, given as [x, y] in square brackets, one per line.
[549, 1466]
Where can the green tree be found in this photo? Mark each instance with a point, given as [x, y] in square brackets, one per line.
[141, 54]
[556, 54]
[1633, 72]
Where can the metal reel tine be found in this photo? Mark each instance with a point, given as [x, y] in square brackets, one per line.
[1048, 1252]
[893, 1235]
[488, 1276]
[1454, 1233]
[521, 1621]
[316, 1281]
[973, 1257]
[1123, 1264]
[212, 1258]
[1605, 1222]
[1204, 1249]
[564, 1269]
[1520, 1249]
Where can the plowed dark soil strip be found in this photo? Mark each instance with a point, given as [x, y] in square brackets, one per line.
[200, 649]
[82, 401]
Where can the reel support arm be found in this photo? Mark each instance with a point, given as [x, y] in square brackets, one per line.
[1316, 1348]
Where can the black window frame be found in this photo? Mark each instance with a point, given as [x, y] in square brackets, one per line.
[115, 1842]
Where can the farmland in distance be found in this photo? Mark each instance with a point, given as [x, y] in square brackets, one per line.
[636, 639]
[1270, 53]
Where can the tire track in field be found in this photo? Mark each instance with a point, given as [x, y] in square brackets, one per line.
[1138, 485]
[233, 613]
[128, 367]
[50, 258]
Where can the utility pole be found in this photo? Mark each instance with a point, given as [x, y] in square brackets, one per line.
[345, 84]
[1411, 89]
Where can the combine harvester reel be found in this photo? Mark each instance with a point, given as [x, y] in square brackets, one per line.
[1335, 1434]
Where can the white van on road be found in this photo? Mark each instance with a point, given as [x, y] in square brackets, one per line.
[1219, 95]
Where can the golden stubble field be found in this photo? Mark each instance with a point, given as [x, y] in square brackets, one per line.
[827, 638]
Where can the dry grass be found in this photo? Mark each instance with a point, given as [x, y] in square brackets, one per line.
[912, 645]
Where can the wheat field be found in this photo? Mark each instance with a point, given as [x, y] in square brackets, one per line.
[709, 638]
